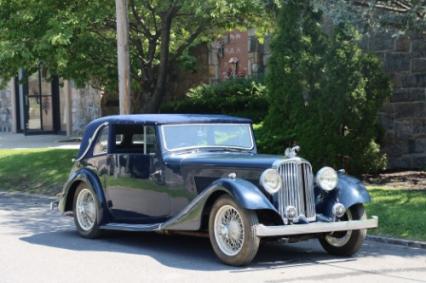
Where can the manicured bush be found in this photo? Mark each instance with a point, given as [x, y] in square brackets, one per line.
[324, 93]
[240, 97]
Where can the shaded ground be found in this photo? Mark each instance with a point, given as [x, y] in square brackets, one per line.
[412, 180]
[47, 245]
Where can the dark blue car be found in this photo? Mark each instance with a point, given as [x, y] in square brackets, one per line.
[203, 173]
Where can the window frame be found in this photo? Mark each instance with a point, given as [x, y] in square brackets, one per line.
[98, 135]
[113, 146]
[164, 142]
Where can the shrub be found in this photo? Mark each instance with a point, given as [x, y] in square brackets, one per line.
[324, 92]
[240, 97]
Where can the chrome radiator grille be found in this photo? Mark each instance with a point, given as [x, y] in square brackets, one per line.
[297, 189]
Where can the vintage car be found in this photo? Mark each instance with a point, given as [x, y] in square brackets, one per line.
[165, 172]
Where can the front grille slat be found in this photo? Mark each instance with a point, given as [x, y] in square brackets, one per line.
[297, 189]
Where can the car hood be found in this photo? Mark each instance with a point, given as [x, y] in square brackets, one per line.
[222, 159]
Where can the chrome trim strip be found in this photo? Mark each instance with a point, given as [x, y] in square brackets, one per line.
[314, 228]
[91, 140]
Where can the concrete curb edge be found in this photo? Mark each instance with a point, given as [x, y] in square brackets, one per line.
[396, 241]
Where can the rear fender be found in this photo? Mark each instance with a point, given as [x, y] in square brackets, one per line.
[91, 180]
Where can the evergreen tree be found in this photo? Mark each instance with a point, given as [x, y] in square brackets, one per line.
[324, 92]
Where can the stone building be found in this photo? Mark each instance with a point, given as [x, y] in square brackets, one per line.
[44, 104]
[403, 117]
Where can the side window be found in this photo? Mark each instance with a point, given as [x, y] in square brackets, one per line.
[135, 139]
[101, 144]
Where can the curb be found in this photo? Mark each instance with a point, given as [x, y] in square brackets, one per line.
[400, 242]
[17, 193]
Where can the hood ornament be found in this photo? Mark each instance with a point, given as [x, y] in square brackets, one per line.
[291, 152]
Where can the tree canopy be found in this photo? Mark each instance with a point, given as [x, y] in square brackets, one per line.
[76, 39]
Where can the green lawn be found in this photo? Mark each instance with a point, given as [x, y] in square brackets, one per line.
[41, 171]
[402, 213]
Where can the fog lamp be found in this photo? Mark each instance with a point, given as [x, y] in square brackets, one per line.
[339, 210]
[290, 212]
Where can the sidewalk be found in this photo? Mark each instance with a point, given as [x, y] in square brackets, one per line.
[19, 141]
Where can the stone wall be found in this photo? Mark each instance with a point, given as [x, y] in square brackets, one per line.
[6, 109]
[86, 106]
[403, 117]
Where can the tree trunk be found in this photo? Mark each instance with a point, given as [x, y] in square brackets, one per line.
[153, 105]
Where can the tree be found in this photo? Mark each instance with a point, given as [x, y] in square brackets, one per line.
[372, 16]
[324, 92]
[76, 39]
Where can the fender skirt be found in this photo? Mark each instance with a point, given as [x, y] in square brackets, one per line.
[246, 194]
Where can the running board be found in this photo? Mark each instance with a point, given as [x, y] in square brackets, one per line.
[132, 227]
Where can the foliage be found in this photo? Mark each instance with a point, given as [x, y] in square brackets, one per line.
[392, 205]
[240, 97]
[324, 93]
[76, 39]
[373, 16]
[40, 171]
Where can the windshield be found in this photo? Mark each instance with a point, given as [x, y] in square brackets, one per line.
[185, 136]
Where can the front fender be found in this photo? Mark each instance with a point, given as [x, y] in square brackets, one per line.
[246, 194]
[90, 179]
[349, 191]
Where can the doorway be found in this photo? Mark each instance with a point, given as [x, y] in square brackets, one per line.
[38, 98]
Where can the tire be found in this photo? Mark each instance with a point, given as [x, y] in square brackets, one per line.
[87, 227]
[240, 230]
[346, 243]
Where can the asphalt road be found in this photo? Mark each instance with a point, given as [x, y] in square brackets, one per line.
[37, 245]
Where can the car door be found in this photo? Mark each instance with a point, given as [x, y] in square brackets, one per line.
[133, 187]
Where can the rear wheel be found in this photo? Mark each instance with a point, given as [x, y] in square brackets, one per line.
[232, 232]
[346, 243]
[86, 217]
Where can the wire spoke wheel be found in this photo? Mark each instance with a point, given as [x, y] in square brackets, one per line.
[229, 230]
[346, 243]
[86, 209]
[339, 239]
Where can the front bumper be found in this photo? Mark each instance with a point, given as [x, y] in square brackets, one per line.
[315, 228]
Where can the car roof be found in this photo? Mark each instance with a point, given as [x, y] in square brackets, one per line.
[154, 119]
[158, 119]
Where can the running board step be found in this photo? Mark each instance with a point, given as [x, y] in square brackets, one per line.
[132, 227]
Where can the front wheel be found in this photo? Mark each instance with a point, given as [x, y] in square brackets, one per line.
[232, 232]
[346, 243]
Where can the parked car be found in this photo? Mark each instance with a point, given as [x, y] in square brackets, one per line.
[166, 172]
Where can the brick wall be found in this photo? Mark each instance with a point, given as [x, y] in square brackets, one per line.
[403, 117]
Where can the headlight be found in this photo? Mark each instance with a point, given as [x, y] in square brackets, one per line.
[270, 180]
[327, 178]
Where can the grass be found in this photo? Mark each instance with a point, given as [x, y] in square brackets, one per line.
[402, 213]
[41, 171]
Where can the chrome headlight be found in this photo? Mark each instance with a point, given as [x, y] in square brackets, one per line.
[327, 178]
[271, 180]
